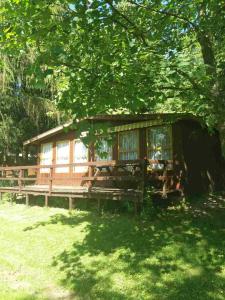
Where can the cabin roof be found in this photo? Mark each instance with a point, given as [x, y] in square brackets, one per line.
[139, 117]
[131, 122]
[47, 133]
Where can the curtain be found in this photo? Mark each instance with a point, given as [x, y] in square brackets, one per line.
[62, 156]
[128, 145]
[80, 156]
[46, 157]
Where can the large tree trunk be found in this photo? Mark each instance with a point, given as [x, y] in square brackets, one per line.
[222, 138]
[216, 96]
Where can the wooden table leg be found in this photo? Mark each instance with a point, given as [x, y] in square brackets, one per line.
[71, 204]
[27, 199]
[46, 200]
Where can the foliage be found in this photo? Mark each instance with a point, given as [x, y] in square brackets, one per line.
[53, 254]
[25, 110]
[126, 56]
[131, 56]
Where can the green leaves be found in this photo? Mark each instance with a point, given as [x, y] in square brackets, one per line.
[131, 56]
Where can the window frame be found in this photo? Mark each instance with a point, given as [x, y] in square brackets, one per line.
[46, 170]
[58, 171]
[138, 144]
[103, 159]
[88, 158]
[170, 147]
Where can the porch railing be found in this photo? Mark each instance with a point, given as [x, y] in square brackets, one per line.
[127, 171]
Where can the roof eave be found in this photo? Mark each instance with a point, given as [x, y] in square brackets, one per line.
[46, 134]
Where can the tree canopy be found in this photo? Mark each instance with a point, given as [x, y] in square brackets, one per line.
[127, 55]
[24, 109]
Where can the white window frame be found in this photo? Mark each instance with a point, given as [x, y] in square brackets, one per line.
[62, 169]
[79, 169]
[45, 170]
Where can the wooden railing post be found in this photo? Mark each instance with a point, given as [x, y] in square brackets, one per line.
[46, 200]
[27, 200]
[50, 180]
[165, 174]
[20, 180]
[90, 168]
[71, 203]
[143, 168]
[90, 174]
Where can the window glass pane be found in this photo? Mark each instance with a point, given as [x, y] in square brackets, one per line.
[104, 151]
[80, 156]
[159, 138]
[159, 144]
[46, 157]
[128, 145]
[62, 156]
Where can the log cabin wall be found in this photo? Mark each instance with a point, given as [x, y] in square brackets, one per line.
[143, 143]
[200, 156]
[61, 178]
[196, 153]
[68, 178]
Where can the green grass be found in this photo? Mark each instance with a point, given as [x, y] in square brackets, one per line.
[175, 253]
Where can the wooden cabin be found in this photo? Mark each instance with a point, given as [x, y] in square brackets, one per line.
[169, 152]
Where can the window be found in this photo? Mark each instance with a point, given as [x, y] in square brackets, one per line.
[46, 157]
[103, 151]
[80, 156]
[129, 145]
[159, 144]
[62, 156]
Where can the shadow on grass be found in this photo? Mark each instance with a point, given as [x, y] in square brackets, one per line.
[58, 202]
[81, 204]
[70, 220]
[174, 255]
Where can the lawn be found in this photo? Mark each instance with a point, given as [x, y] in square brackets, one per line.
[175, 253]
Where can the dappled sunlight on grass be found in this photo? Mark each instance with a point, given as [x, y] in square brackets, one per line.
[175, 253]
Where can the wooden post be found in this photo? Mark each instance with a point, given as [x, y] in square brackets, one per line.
[99, 205]
[140, 200]
[46, 200]
[27, 199]
[90, 174]
[50, 180]
[135, 207]
[71, 204]
[165, 174]
[11, 198]
[90, 168]
[19, 180]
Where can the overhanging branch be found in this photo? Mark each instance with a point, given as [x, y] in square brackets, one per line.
[165, 12]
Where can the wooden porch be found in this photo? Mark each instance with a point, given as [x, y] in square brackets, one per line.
[109, 180]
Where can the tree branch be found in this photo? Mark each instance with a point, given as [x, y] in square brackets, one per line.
[76, 67]
[173, 88]
[140, 34]
[167, 13]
